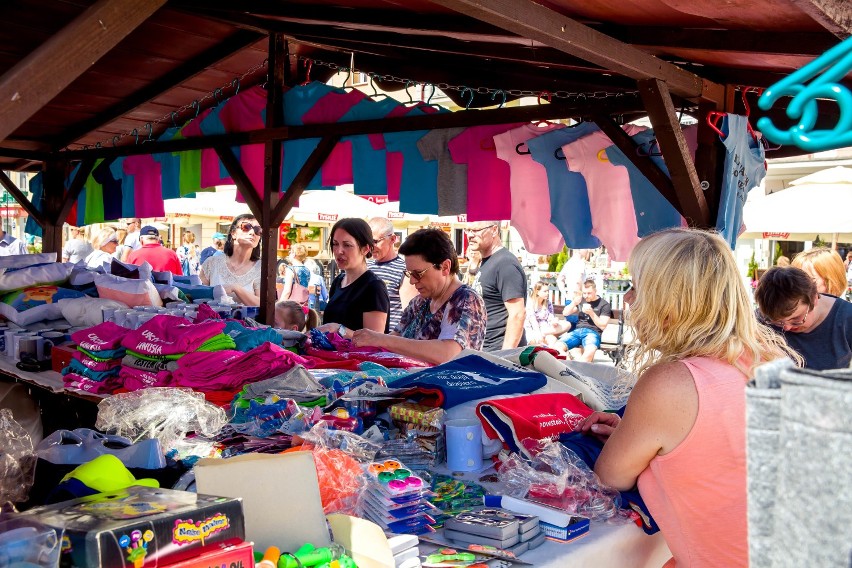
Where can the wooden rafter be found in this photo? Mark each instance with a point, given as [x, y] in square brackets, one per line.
[43, 74]
[833, 15]
[183, 73]
[15, 191]
[667, 129]
[534, 21]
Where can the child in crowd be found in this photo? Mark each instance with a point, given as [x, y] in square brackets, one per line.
[292, 315]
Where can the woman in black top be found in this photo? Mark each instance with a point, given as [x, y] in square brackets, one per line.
[358, 299]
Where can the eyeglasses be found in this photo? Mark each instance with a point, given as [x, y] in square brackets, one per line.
[248, 227]
[478, 232]
[418, 274]
[788, 323]
[380, 239]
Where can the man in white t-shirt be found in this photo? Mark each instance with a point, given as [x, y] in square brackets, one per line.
[573, 273]
[132, 238]
[9, 245]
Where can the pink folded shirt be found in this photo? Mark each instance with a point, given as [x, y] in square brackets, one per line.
[170, 335]
[79, 382]
[135, 379]
[102, 337]
[95, 365]
[228, 370]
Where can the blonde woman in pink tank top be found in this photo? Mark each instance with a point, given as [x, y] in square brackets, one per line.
[682, 438]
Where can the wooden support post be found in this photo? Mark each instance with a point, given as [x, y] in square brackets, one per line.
[709, 160]
[279, 60]
[648, 167]
[47, 71]
[53, 192]
[661, 110]
[305, 175]
[20, 198]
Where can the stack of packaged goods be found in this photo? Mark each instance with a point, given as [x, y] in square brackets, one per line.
[421, 438]
[96, 365]
[405, 549]
[499, 528]
[396, 499]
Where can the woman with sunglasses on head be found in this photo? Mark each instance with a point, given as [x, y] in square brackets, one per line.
[104, 243]
[238, 270]
[446, 317]
[817, 325]
[682, 438]
[357, 298]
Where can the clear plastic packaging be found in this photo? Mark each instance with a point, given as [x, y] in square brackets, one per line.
[25, 543]
[167, 414]
[557, 477]
[17, 460]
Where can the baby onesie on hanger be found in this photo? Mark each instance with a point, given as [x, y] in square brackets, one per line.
[489, 197]
[243, 112]
[314, 103]
[357, 162]
[569, 198]
[745, 167]
[148, 196]
[452, 177]
[530, 195]
[613, 217]
[653, 211]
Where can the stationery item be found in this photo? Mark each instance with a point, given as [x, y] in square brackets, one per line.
[489, 525]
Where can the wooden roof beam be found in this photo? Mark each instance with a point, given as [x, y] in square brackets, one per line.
[181, 74]
[48, 70]
[537, 22]
[833, 15]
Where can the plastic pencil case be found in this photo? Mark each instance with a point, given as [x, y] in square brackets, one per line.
[403, 512]
[389, 501]
[393, 479]
[384, 519]
[381, 503]
[405, 526]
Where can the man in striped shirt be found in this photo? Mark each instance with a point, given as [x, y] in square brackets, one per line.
[389, 266]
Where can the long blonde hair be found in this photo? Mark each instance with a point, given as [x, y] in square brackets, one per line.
[537, 303]
[828, 264]
[691, 302]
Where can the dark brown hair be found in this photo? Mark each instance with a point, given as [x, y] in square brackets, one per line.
[781, 289]
[433, 245]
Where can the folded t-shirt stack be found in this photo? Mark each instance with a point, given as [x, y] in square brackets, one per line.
[247, 338]
[96, 366]
[229, 370]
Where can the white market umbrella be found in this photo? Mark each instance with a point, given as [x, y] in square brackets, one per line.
[817, 204]
[329, 206]
[221, 203]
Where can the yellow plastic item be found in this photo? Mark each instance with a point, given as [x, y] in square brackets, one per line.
[106, 473]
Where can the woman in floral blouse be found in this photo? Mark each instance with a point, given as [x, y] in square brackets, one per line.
[446, 317]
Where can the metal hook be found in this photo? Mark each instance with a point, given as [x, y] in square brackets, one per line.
[376, 92]
[494, 96]
[115, 140]
[235, 84]
[218, 95]
[432, 94]
[150, 128]
[98, 146]
[197, 106]
[174, 116]
[135, 134]
[468, 103]
[408, 84]
[348, 74]
[546, 95]
[308, 63]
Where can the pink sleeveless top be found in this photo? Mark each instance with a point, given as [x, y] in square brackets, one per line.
[697, 492]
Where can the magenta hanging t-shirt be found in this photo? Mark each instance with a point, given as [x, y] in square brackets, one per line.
[530, 194]
[489, 196]
[147, 185]
[610, 199]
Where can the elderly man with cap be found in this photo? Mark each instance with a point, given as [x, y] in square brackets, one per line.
[216, 248]
[154, 253]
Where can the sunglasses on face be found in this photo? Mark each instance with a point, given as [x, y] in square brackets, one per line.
[418, 274]
[248, 227]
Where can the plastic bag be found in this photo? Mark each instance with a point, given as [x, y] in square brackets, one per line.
[26, 543]
[557, 477]
[167, 414]
[17, 460]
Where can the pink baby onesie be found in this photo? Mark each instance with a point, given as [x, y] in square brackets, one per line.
[610, 200]
[530, 195]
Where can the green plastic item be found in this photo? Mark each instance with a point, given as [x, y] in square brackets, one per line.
[106, 473]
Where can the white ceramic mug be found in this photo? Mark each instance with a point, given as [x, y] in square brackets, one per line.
[36, 346]
[16, 343]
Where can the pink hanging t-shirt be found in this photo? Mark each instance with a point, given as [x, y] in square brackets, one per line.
[147, 185]
[489, 197]
[530, 194]
[610, 200]
[241, 113]
[211, 174]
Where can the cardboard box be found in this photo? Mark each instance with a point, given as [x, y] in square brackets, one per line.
[60, 356]
[140, 527]
[280, 496]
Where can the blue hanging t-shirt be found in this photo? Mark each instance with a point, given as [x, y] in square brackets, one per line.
[112, 190]
[169, 166]
[653, 211]
[369, 172]
[128, 205]
[570, 211]
[745, 167]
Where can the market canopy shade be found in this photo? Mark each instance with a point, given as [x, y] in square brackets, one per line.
[329, 206]
[818, 204]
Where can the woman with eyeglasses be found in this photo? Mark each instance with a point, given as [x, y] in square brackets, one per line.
[681, 440]
[446, 317]
[104, 243]
[238, 270]
[817, 325]
[357, 299]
